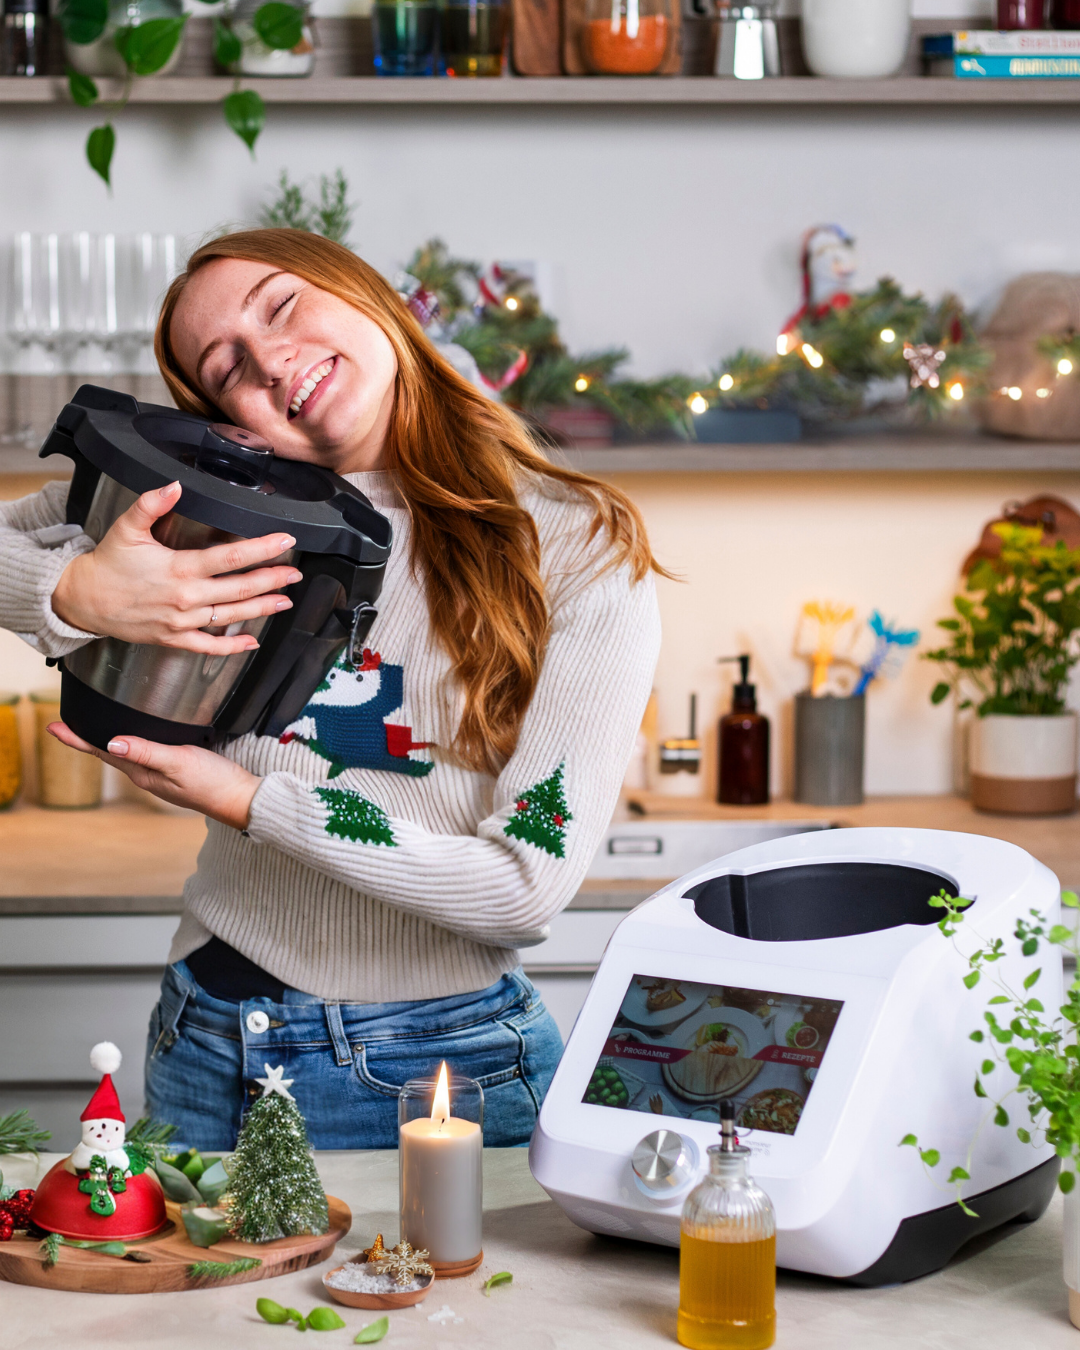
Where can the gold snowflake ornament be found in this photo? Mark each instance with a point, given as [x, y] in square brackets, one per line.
[403, 1263]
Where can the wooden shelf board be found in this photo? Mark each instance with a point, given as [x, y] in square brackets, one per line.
[862, 454]
[704, 91]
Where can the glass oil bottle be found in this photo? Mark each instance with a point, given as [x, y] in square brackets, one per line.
[727, 1254]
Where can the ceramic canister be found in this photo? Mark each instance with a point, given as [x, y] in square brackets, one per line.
[856, 39]
[1024, 765]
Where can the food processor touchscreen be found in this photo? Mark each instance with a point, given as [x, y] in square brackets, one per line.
[676, 1048]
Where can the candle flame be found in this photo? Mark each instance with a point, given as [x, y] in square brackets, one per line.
[440, 1109]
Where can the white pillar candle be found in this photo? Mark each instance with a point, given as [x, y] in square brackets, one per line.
[441, 1178]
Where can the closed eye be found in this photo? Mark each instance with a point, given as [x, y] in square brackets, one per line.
[280, 306]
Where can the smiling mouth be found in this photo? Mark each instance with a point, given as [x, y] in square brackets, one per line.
[311, 383]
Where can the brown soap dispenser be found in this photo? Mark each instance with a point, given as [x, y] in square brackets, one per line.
[743, 744]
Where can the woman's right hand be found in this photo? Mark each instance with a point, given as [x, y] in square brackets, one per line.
[133, 588]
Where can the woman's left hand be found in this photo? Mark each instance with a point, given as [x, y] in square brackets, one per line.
[185, 775]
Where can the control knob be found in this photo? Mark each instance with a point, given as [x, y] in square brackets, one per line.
[664, 1163]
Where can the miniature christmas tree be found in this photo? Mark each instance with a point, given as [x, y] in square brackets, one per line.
[542, 815]
[274, 1190]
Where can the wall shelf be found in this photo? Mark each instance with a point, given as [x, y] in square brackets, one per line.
[928, 453]
[572, 92]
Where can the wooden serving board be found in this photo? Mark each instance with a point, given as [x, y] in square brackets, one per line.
[170, 1254]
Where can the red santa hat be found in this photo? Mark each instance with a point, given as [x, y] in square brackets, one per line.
[104, 1104]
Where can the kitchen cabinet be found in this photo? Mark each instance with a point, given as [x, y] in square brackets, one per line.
[89, 901]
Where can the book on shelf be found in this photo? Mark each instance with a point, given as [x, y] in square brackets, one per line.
[985, 54]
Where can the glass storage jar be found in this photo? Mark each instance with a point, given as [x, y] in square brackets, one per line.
[472, 38]
[10, 754]
[100, 58]
[67, 778]
[727, 1254]
[256, 58]
[626, 37]
[404, 34]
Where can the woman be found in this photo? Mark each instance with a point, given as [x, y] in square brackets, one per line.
[356, 917]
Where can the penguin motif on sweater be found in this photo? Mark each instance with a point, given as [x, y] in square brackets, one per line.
[344, 720]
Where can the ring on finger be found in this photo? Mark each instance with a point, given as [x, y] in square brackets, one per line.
[213, 617]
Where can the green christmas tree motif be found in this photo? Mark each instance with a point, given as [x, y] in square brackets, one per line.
[354, 818]
[541, 816]
[274, 1190]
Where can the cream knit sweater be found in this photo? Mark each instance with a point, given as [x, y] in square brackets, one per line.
[377, 869]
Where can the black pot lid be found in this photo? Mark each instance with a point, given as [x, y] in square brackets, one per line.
[230, 478]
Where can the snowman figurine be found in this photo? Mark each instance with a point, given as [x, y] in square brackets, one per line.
[103, 1122]
[104, 1190]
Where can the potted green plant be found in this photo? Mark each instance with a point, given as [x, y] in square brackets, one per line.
[132, 39]
[1031, 1055]
[1013, 641]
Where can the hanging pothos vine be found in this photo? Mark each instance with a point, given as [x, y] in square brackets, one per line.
[147, 48]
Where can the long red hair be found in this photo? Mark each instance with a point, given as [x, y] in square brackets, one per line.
[459, 460]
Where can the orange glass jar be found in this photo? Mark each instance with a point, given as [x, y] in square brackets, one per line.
[10, 754]
[626, 37]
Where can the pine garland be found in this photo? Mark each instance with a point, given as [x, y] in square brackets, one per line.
[19, 1133]
[274, 1190]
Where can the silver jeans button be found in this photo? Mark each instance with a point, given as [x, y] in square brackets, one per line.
[258, 1022]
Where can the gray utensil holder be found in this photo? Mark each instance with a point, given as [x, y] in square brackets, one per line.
[829, 738]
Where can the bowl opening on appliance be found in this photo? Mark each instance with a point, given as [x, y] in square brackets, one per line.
[819, 900]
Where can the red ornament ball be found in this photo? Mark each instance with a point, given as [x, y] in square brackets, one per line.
[7, 1227]
[523, 805]
[559, 821]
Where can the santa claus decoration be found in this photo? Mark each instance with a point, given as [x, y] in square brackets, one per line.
[101, 1192]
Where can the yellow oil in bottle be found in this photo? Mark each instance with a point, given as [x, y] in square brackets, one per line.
[727, 1255]
[727, 1292]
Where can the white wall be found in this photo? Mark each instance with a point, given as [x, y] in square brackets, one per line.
[671, 231]
[750, 549]
[675, 233]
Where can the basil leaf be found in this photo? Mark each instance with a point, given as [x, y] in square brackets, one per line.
[147, 47]
[324, 1319]
[375, 1331]
[227, 48]
[83, 21]
[279, 25]
[100, 145]
[82, 88]
[270, 1311]
[503, 1277]
[245, 113]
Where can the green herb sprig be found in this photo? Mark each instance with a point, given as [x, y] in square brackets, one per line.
[318, 1319]
[1039, 1048]
[222, 1270]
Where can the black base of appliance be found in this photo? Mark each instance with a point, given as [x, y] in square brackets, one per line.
[98, 718]
[926, 1242]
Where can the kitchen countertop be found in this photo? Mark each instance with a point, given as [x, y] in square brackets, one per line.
[126, 858]
[571, 1290]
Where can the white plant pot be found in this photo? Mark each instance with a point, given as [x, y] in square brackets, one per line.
[1024, 765]
[1071, 1252]
[856, 39]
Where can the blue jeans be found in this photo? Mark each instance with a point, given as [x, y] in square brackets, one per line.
[347, 1060]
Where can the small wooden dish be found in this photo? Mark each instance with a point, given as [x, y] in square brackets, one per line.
[379, 1302]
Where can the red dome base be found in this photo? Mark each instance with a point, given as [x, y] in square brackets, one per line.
[60, 1207]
